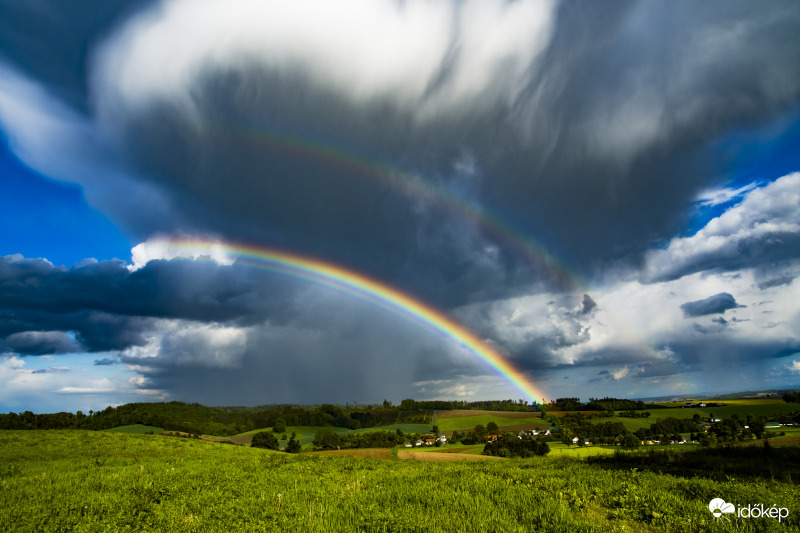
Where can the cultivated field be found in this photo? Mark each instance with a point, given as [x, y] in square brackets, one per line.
[460, 420]
[102, 481]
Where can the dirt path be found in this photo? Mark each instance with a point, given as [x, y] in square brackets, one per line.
[384, 454]
[438, 456]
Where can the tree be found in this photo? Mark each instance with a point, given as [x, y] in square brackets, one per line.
[630, 441]
[757, 427]
[566, 437]
[492, 428]
[435, 430]
[264, 439]
[327, 438]
[280, 426]
[293, 446]
[480, 430]
[707, 439]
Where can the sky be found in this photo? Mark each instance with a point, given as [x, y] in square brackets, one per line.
[248, 202]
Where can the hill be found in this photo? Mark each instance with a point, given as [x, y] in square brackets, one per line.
[104, 481]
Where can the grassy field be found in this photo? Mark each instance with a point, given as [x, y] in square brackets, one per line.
[743, 407]
[106, 481]
[449, 421]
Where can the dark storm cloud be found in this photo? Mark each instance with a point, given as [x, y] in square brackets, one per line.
[719, 303]
[109, 307]
[39, 343]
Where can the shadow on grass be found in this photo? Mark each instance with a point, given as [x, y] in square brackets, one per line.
[719, 463]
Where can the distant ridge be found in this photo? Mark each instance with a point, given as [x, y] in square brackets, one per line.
[766, 393]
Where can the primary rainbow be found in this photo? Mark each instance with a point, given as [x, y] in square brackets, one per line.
[359, 285]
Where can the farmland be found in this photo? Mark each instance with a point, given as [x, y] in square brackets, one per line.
[448, 421]
[89, 481]
[131, 477]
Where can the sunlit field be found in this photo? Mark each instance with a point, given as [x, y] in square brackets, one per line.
[103, 481]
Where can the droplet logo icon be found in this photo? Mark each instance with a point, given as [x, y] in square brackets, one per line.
[718, 507]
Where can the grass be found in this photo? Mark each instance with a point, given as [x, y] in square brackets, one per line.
[447, 425]
[741, 407]
[105, 481]
[558, 449]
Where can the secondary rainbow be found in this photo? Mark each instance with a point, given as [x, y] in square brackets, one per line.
[532, 251]
[357, 284]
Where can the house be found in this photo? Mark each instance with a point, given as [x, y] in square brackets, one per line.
[534, 432]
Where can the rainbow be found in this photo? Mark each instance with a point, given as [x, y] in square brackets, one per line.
[535, 253]
[356, 284]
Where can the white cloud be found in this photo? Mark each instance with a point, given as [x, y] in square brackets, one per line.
[763, 220]
[714, 197]
[795, 367]
[162, 247]
[621, 373]
[425, 56]
[84, 390]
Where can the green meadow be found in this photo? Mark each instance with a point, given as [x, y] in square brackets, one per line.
[77, 480]
[447, 424]
[740, 407]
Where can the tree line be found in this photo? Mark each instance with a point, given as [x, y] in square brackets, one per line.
[595, 404]
[486, 405]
